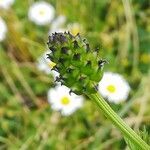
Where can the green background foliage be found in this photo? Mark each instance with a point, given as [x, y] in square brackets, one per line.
[121, 30]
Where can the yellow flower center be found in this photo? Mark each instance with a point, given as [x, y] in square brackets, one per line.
[65, 100]
[111, 88]
[145, 58]
[51, 64]
[41, 12]
[75, 29]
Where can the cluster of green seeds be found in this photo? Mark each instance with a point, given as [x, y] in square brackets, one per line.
[79, 66]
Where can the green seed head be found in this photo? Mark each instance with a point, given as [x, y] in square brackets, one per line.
[79, 66]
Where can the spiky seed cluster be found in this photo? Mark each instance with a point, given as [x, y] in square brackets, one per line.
[79, 66]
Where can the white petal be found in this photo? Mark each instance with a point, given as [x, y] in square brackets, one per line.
[5, 4]
[58, 22]
[3, 29]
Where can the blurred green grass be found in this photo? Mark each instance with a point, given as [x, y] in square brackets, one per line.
[120, 28]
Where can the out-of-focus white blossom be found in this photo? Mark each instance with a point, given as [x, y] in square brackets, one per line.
[5, 4]
[41, 13]
[3, 29]
[75, 28]
[60, 100]
[58, 24]
[114, 87]
[46, 65]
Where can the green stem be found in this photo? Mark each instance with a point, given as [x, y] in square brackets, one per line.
[118, 122]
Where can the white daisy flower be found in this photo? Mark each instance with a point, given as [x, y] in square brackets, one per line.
[75, 28]
[46, 65]
[5, 4]
[114, 87]
[58, 24]
[3, 29]
[62, 101]
[41, 13]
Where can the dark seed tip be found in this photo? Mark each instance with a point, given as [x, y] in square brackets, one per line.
[69, 70]
[76, 56]
[87, 47]
[70, 92]
[76, 44]
[61, 60]
[102, 62]
[64, 50]
[88, 63]
[96, 87]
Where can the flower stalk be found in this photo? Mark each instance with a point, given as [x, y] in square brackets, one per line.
[118, 122]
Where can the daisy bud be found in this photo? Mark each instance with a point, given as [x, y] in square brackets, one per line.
[80, 68]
